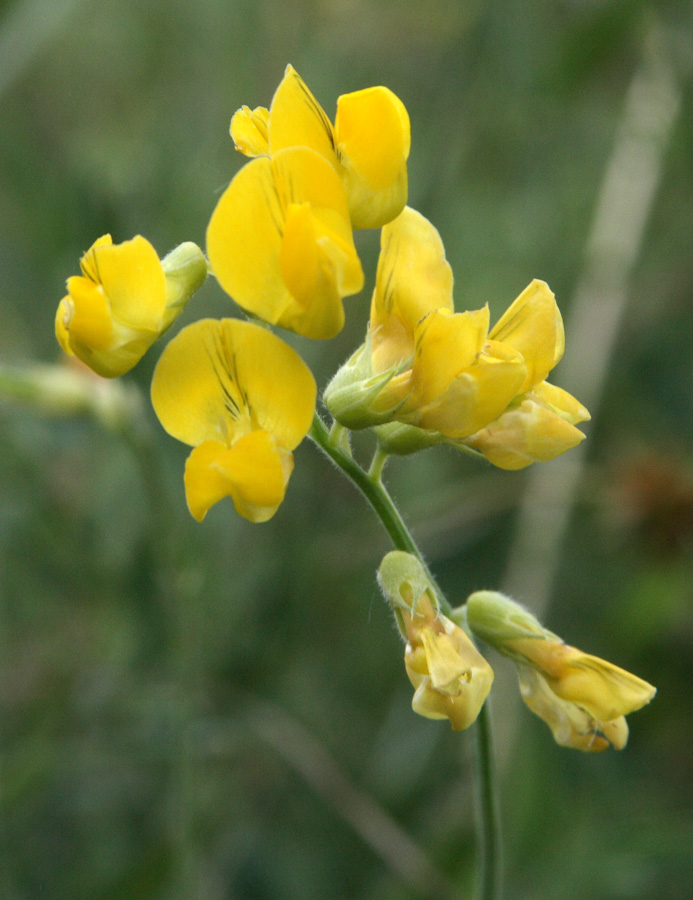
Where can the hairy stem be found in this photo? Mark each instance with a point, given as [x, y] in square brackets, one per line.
[371, 486]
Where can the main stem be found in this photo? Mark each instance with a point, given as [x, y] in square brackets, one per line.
[371, 486]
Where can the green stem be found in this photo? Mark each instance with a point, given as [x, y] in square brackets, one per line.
[371, 486]
[375, 492]
[489, 885]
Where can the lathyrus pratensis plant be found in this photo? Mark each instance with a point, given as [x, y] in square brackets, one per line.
[280, 243]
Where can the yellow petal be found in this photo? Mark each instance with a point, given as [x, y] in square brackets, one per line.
[570, 725]
[88, 263]
[249, 130]
[532, 324]
[309, 274]
[413, 279]
[244, 240]
[134, 282]
[445, 664]
[372, 137]
[247, 231]
[446, 345]
[87, 314]
[457, 387]
[301, 176]
[298, 120]
[603, 689]
[218, 380]
[524, 434]
[460, 705]
[254, 473]
[561, 402]
[62, 316]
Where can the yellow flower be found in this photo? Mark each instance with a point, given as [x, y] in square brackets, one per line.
[582, 698]
[280, 243]
[368, 145]
[540, 424]
[424, 365]
[244, 400]
[444, 376]
[460, 379]
[451, 678]
[538, 427]
[123, 301]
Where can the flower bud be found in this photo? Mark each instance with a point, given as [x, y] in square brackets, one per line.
[185, 269]
[123, 301]
[451, 678]
[582, 698]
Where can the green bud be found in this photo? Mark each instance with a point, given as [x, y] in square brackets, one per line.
[185, 269]
[403, 581]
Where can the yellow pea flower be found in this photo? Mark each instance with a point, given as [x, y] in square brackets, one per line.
[368, 145]
[538, 427]
[422, 364]
[447, 378]
[243, 399]
[450, 677]
[413, 279]
[280, 243]
[123, 300]
[540, 424]
[460, 379]
[583, 699]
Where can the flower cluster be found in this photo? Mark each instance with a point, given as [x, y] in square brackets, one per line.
[280, 242]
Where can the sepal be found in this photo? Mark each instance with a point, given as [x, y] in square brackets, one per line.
[360, 398]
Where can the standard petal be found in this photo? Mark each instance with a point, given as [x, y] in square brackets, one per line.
[298, 120]
[218, 380]
[413, 279]
[134, 282]
[278, 386]
[244, 239]
[603, 689]
[372, 136]
[533, 325]
[247, 233]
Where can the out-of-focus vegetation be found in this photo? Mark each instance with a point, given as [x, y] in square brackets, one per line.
[193, 711]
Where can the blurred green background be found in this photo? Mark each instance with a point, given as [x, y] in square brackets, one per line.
[220, 710]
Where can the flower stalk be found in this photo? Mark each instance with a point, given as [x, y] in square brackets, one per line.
[371, 486]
